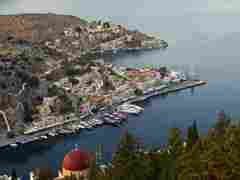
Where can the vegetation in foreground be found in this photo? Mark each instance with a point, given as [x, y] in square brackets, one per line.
[215, 156]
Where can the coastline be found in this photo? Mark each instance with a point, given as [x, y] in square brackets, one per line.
[36, 136]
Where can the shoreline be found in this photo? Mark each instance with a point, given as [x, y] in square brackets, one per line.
[36, 136]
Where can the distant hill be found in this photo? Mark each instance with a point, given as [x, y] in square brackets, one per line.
[35, 27]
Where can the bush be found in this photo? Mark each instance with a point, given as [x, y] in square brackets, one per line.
[138, 92]
[73, 81]
[52, 91]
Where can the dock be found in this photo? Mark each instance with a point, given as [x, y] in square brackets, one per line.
[167, 90]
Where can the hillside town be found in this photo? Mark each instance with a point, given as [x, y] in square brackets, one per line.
[40, 78]
[62, 84]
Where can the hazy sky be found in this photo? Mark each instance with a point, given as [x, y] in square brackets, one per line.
[119, 8]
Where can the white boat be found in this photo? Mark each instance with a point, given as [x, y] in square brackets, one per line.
[129, 110]
[44, 137]
[81, 126]
[97, 121]
[51, 134]
[134, 106]
[14, 145]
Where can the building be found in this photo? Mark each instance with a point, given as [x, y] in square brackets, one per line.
[75, 163]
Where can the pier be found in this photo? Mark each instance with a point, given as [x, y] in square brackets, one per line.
[167, 90]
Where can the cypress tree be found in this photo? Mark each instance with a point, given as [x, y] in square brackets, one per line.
[192, 135]
[14, 174]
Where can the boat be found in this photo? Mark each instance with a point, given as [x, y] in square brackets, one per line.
[120, 115]
[36, 138]
[133, 106]
[109, 115]
[44, 137]
[86, 125]
[129, 111]
[14, 145]
[110, 121]
[81, 126]
[98, 121]
[52, 134]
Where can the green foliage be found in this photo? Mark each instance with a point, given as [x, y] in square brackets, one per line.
[175, 141]
[70, 70]
[138, 92]
[55, 91]
[68, 105]
[74, 81]
[192, 135]
[14, 174]
[163, 71]
[94, 171]
[106, 25]
[129, 163]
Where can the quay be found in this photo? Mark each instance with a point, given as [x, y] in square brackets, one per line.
[126, 50]
[166, 90]
[35, 135]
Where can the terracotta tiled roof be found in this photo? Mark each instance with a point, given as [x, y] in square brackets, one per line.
[77, 160]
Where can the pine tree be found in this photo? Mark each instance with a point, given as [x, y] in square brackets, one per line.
[129, 163]
[192, 135]
[175, 141]
[14, 174]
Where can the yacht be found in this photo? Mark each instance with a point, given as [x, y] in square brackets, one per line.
[129, 110]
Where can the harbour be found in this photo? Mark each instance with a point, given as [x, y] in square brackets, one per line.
[90, 121]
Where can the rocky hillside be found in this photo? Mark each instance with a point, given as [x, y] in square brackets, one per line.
[35, 27]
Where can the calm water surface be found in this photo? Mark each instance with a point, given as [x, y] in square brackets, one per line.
[202, 35]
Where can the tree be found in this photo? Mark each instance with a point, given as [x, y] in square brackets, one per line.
[175, 141]
[192, 135]
[45, 174]
[130, 163]
[163, 71]
[14, 174]
[34, 82]
[106, 25]
[74, 81]
[223, 121]
[68, 105]
[138, 92]
[94, 171]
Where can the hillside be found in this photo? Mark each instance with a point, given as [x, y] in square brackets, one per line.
[35, 27]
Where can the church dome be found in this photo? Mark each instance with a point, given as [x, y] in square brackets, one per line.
[77, 160]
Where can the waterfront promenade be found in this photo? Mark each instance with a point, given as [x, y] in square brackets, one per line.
[35, 134]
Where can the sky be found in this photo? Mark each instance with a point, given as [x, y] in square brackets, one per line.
[119, 8]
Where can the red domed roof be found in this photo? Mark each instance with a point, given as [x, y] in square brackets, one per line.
[77, 160]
